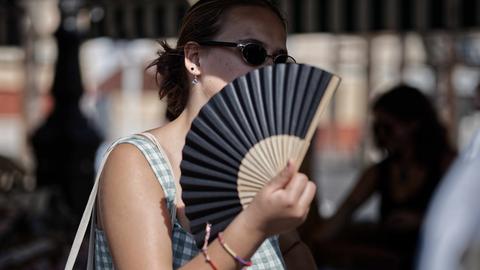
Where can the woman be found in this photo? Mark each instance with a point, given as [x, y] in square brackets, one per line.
[416, 153]
[137, 227]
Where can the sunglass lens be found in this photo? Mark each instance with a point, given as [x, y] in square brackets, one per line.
[255, 54]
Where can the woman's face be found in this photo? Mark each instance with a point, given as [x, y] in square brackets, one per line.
[220, 65]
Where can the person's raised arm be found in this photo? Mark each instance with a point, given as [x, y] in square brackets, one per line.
[136, 220]
[362, 190]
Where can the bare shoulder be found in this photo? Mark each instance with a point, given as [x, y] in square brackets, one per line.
[126, 167]
[131, 204]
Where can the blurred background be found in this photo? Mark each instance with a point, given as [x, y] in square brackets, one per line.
[73, 78]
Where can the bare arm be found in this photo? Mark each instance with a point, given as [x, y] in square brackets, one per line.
[363, 189]
[136, 221]
[133, 212]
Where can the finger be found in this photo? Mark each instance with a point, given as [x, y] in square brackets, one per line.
[296, 186]
[282, 179]
[308, 194]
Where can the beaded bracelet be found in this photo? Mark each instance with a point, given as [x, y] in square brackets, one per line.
[205, 247]
[232, 253]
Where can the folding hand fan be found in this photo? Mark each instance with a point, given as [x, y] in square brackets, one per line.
[245, 135]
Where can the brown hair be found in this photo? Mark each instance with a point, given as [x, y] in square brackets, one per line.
[201, 22]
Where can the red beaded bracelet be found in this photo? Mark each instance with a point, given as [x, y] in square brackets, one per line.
[205, 247]
[232, 253]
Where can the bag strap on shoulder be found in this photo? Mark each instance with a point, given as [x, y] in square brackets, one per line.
[88, 217]
[85, 221]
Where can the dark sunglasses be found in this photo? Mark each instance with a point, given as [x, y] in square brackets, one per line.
[253, 53]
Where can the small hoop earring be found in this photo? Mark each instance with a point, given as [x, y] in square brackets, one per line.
[195, 80]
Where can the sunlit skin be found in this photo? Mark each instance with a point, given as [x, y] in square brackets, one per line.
[132, 209]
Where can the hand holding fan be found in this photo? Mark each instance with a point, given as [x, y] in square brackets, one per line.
[245, 135]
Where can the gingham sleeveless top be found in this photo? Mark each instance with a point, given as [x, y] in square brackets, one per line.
[268, 256]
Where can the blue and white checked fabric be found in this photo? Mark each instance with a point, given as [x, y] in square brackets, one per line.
[268, 256]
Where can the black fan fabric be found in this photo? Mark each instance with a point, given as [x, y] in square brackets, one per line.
[274, 100]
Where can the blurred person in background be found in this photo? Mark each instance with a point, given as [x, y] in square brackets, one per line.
[416, 153]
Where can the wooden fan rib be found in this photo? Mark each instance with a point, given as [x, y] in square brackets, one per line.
[289, 142]
[259, 159]
[248, 194]
[299, 147]
[251, 185]
[256, 165]
[245, 178]
[246, 198]
[244, 183]
[253, 156]
[249, 189]
[250, 172]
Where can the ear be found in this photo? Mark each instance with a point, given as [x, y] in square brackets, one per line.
[191, 51]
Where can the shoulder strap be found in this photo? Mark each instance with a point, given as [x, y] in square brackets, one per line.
[87, 213]
[153, 159]
[160, 165]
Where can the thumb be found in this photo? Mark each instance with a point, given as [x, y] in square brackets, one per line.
[283, 177]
